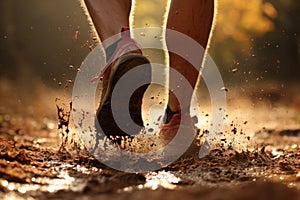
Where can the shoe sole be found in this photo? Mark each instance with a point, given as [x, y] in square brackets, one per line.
[104, 113]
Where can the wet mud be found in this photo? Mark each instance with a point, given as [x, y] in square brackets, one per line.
[42, 159]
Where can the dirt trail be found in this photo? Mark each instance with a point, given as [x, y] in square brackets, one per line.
[34, 166]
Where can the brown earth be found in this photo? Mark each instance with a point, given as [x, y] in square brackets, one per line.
[38, 162]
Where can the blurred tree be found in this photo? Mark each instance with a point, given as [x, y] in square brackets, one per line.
[237, 24]
[258, 37]
[37, 39]
[279, 49]
[10, 56]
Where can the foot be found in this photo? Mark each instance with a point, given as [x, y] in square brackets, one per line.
[147, 143]
[126, 57]
[176, 120]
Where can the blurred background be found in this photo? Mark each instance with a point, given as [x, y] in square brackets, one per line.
[256, 45]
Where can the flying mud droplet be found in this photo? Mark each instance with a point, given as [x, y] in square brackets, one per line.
[224, 89]
[76, 35]
[235, 70]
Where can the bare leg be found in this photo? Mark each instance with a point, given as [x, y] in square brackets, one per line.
[193, 18]
[109, 16]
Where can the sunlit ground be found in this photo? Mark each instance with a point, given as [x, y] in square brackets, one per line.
[33, 163]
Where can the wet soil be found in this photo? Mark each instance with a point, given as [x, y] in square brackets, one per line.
[38, 161]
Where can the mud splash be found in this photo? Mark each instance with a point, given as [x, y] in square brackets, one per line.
[37, 164]
[40, 161]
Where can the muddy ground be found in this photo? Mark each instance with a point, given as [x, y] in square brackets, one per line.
[265, 165]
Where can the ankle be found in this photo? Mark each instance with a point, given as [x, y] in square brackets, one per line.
[169, 113]
[110, 50]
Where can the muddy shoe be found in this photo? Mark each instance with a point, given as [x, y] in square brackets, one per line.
[126, 57]
[183, 125]
[179, 123]
[169, 129]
